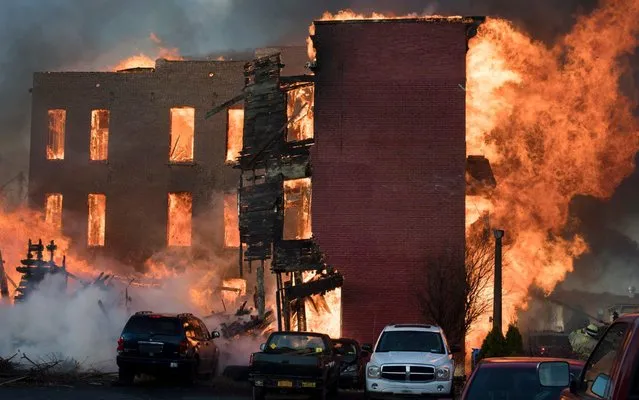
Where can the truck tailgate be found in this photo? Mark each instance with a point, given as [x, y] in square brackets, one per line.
[286, 365]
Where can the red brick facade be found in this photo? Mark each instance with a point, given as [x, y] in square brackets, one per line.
[389, 161]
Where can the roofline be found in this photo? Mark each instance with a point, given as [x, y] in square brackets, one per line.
[433, 19]
[529, 360]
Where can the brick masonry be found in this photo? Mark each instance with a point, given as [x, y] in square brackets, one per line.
[137, 176]
[389, 161]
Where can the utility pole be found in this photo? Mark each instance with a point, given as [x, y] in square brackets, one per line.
[497, 293]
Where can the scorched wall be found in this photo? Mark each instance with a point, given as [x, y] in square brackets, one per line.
[388, 161]
[136, 176]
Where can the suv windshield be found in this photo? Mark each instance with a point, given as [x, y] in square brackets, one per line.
[295, 344]
[153, 325]
[417, 341]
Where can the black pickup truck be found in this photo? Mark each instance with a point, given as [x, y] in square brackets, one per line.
[295, 362]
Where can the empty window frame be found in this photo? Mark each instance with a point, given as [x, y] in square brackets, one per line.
[179, 219]
[231, 221]
[182, 134]
[234, 134]
[97, 220]
[297, 209]
[55, 139]
[299, 112]
[53, 210]
[99, 143]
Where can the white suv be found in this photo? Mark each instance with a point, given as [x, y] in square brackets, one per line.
[410, 360]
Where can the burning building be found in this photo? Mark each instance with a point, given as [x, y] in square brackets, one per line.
[359, 167]
[122, 161]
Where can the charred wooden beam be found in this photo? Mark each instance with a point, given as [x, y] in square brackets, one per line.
[224, 105]
[319, 286]
[297, 255]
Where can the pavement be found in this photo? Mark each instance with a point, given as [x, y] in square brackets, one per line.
[219, 390]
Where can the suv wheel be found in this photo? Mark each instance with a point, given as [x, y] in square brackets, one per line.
[126, 376]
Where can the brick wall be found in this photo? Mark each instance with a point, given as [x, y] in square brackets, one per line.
[389, 160]
[137, 176]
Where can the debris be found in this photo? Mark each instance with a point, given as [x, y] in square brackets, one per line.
[14, 380]
[35, 270]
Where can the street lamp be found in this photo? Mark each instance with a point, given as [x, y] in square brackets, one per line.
[497, 298]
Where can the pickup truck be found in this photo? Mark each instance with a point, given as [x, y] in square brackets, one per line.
[295, 362]
[612, 370]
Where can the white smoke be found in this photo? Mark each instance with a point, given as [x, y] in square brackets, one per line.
[73, 325]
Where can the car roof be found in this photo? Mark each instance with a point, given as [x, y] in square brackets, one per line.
[294, 333]
[413, 327]
[345, 340]
[513, 361]
[159, 315]
[629, 318]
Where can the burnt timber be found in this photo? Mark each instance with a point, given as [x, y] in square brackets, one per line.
[35, 269]
[266, 160]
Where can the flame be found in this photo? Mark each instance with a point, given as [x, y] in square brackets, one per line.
[57, 127]
[553, 124]
[346, 15]
[297, 209]
[141, 60]
[182, 134]
[324, 312]
[99, 144]
[231, 221]
[21, 224]
[97, 223]
[53, 210]
[299, 112]
[179, 221]
[229, 296]
[234, 134]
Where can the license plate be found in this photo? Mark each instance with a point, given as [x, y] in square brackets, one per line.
[285, 384]
[308, 384]
[173, 365]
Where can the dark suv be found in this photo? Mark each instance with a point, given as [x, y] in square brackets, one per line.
[175, 344]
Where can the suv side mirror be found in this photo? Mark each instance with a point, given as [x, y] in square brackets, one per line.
[215, 335]
[455, 348]
[263, 347]
[553, 374]
[600, 385]
[367, 348]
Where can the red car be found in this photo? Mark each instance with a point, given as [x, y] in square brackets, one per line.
[612, 370]
[511, 378]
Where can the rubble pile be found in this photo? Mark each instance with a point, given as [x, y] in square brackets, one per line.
[245, 323]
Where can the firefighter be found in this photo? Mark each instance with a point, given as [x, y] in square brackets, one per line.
[583, 341]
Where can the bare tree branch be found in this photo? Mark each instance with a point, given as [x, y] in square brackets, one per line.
[451, 287]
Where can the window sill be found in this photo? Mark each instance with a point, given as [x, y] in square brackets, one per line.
[181, 164]
[98, 162]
